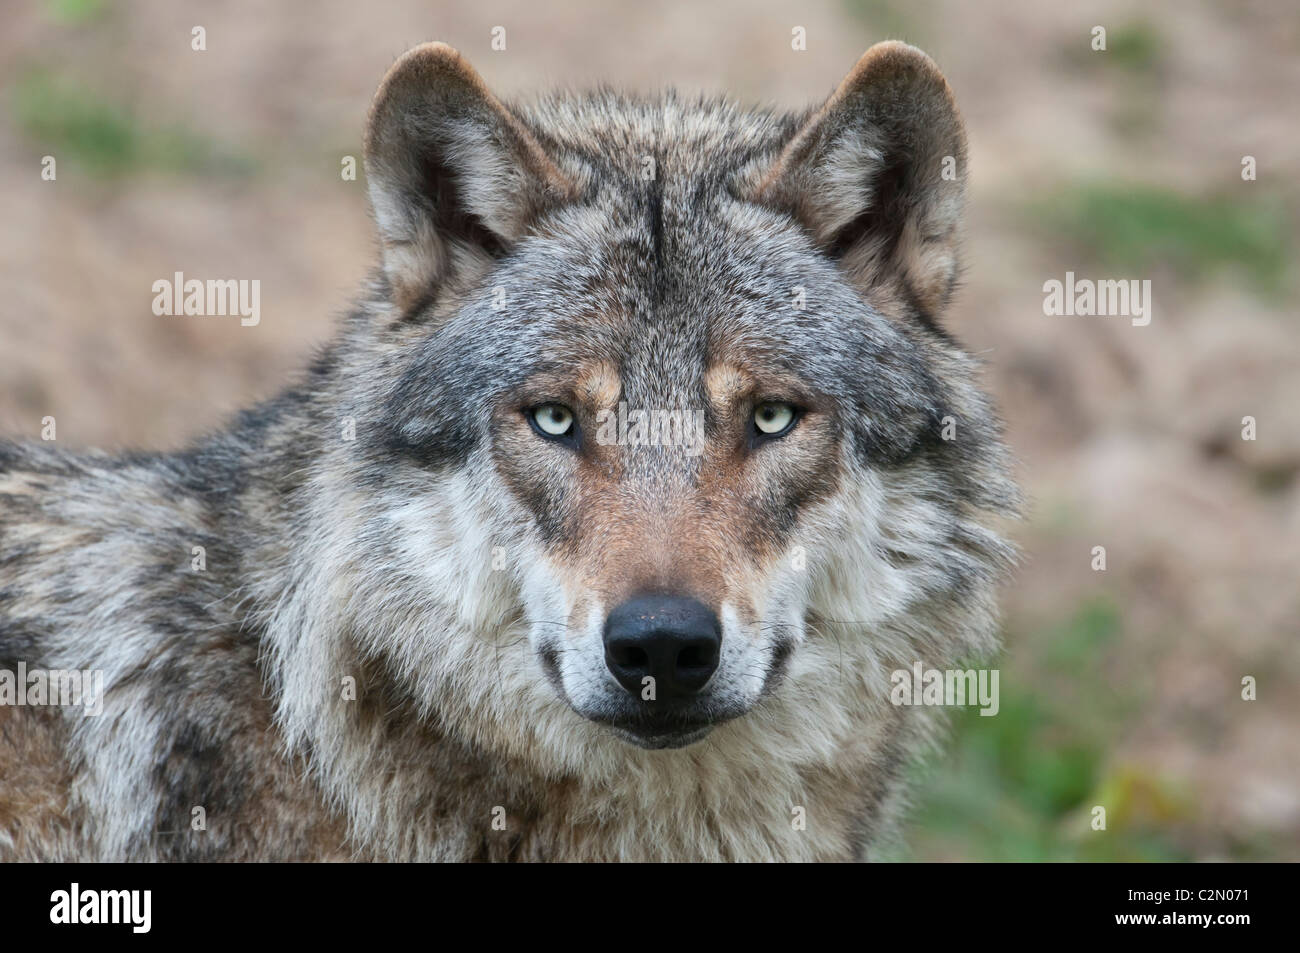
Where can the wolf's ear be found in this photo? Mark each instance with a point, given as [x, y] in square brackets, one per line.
[454, 177]
[878, 176]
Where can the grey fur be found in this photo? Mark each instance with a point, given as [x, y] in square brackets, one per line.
[373, 559]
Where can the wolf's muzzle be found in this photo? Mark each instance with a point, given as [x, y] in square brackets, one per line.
[673, 640]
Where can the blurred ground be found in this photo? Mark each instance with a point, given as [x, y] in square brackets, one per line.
[1119, 688]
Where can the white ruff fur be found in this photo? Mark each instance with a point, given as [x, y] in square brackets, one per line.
[455, 634]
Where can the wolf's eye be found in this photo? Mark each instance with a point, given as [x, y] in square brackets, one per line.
[552, 420]
[773, 418]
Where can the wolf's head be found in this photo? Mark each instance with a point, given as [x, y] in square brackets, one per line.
[666, 388]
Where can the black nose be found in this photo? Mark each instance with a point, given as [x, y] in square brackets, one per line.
[672, 639]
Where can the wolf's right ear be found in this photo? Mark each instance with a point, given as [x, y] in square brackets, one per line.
[454, 177]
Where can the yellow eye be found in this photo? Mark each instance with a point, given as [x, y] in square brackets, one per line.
[554, 420]
[773, 417]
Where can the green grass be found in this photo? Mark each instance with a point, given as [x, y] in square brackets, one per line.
[71, 122]
[1021, 785]
[889, 19]
[1135, 46]
[74, 11]
[1130, 229]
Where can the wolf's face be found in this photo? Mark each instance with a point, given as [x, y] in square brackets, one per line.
[695, 349]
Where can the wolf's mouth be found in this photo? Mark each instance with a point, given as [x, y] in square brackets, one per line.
[655, 740]
[670, 723]
[675, 727]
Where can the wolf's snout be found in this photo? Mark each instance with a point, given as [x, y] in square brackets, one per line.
[671, 639]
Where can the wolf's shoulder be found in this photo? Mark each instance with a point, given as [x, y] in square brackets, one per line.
[95, 545]
[42, 484]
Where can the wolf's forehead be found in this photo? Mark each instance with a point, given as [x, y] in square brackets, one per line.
[661, 306]
[662, 272]
[667, 309]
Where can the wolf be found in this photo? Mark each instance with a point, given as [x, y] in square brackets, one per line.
[410, 609]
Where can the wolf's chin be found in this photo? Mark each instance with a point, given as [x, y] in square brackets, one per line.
[659, 742]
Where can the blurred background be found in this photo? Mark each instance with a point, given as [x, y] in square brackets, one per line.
[1120, 688]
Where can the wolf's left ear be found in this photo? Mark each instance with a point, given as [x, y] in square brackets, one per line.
[454, 177]
[878, 176]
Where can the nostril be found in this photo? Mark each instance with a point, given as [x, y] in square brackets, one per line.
[630, 657]
[695, 657]
[694, 666]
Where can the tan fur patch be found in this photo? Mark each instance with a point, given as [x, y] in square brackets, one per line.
[599, 386]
